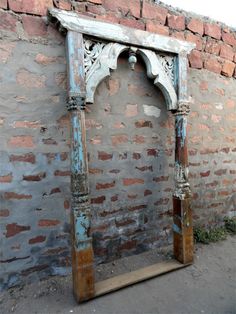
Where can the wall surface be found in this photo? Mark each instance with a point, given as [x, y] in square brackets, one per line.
[129, 136]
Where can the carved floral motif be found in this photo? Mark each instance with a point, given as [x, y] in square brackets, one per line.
[168, 64]
[92, 50]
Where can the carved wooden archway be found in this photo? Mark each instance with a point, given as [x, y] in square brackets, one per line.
[93, 48]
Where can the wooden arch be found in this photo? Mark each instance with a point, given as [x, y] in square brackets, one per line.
[93, 48]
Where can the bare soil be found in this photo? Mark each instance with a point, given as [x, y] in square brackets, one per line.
[208, 286]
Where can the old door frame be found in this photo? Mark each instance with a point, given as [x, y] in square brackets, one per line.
[93, 48]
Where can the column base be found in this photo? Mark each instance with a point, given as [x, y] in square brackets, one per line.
[182, 230]
[83, 274]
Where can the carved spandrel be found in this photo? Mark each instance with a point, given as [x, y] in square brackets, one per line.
[92, 50]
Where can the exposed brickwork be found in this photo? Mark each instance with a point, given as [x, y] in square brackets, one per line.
[131, 166]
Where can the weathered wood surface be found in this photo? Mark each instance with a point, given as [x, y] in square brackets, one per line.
[136, 276]
[119, 33]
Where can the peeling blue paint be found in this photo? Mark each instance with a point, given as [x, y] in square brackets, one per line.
[176, 229]
[77, 154]
[82, 225]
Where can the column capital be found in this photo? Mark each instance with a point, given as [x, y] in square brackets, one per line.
[183, 108]
[75, 103]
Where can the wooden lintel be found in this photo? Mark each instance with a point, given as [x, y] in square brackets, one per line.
[118, 33]
[127, 279]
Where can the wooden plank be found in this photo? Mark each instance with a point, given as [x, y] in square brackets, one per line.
[127, 279]
[118, 33]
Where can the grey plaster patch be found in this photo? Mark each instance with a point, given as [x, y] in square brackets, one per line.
[151, 111]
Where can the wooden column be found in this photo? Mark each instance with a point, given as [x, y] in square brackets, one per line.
[182, 213]
[82, 250]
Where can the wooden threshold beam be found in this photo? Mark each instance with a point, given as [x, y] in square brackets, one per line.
[127, 279]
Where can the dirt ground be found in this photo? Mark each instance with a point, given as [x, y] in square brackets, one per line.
[208, 286]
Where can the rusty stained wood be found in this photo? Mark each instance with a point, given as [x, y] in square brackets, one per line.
[182, 230]
[118, 33]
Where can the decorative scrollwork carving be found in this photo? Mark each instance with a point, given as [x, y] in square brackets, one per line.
[92, 50]
[168, 64]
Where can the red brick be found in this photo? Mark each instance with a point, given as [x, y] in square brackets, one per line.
[139, 139]
[60, 173]
[194, 39]
[213, 65]
[95, 1]
[212, 30]
[38, 239]
[95, 171]
[34, 26]
[30, 6]
[3, 4]
[132, 196]
[13, 229]
[196, 26]
[21, 141]
[132, 181]
[178, 35]
[104, 156]
[212, 46]
[4, 212]
[228, 68]
[161, 179]
[109, 17]
[7, 21]
[137, 207]
[155, 27]
[114, 86]
[119, 139]
[145, 168]
[162, 201]
[227, 52]
[131, 110]
[118, 125]
[66, 204]
[154, 12]
[63, 4]
[16, 196]
[176, 22]
[147, 192]
[128, 245]
[195, 59]
[133, 23]
[61, 80]
[107, 185]
[229, 38]
[35, 177]
[203, 85]
[27, 79]
[220, 172]
[46, 60]
[30, 157]
[124, 222]
[54, 190]
[114, 198]
[6, 179]
[6, 50]
[143, 124]
[98, 200]
[136, 156]
[27, 124]
[232, 171]
[131, 7]
[152, 152]
[205, 174]
[48, 222]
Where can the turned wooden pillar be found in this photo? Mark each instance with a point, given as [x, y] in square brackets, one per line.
[182, 213]
[82, 249]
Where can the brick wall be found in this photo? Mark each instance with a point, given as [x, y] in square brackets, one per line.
[130, 152]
